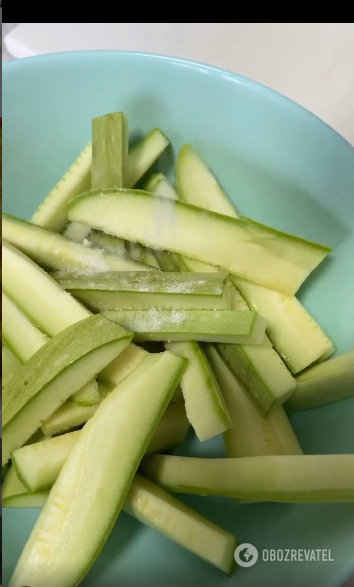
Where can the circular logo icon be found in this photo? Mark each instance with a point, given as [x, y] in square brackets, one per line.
[246, 555]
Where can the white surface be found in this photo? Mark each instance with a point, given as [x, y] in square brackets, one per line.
[312, 63]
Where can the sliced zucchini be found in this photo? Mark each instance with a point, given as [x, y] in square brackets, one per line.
[25, 340]
[26, 500]
[294, 333]
[205, 407]
[175, 520]
[328, 382]
[158, 184]
[146, 289]
[197, 185]
[37, 294]
[143, 155]
[109, 167]
[54, 373]
[109, 160]
[155, 508]
[167, 261]
[110, 139]
[38, 465]
[48, 305]
[55, 251]
[16, 495]
[119, 432]
[4, 471]
[177, 396]
[265, 256]
[125, 250]
[86, 396]
[258, 368]
[140, 254]
[112, 244]
[327, 354]
[18, 333]
[291, 479]
[67, 417]
[9, 362]
[296, 336]
[251, 434]
[51, 213]
[190, 325]
[123, 365]
[77, 232]
[171, 430]
[70, 415]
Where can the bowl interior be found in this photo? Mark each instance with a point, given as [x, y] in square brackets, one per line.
[280, 165]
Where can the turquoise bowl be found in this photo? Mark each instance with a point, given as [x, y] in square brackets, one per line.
[280, 165]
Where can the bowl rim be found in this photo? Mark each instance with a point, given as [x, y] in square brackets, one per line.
[271, 94]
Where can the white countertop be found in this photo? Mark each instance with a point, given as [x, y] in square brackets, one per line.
[312, 63]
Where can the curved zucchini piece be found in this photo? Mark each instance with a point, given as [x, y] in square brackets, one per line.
[145, 289]
[197, 185]
[53, 309]
[266, 256]
[16, 495]
[51, 213]
[158, 184]
[205, 406]
[112, 448]
[55, 251]
[291, 479]
[328, 382]
[38, 465]
[54, 373]
[155, 508]
[9, 362]
[143, 155]
[192, 325]
[25, 340]
[251, 434]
